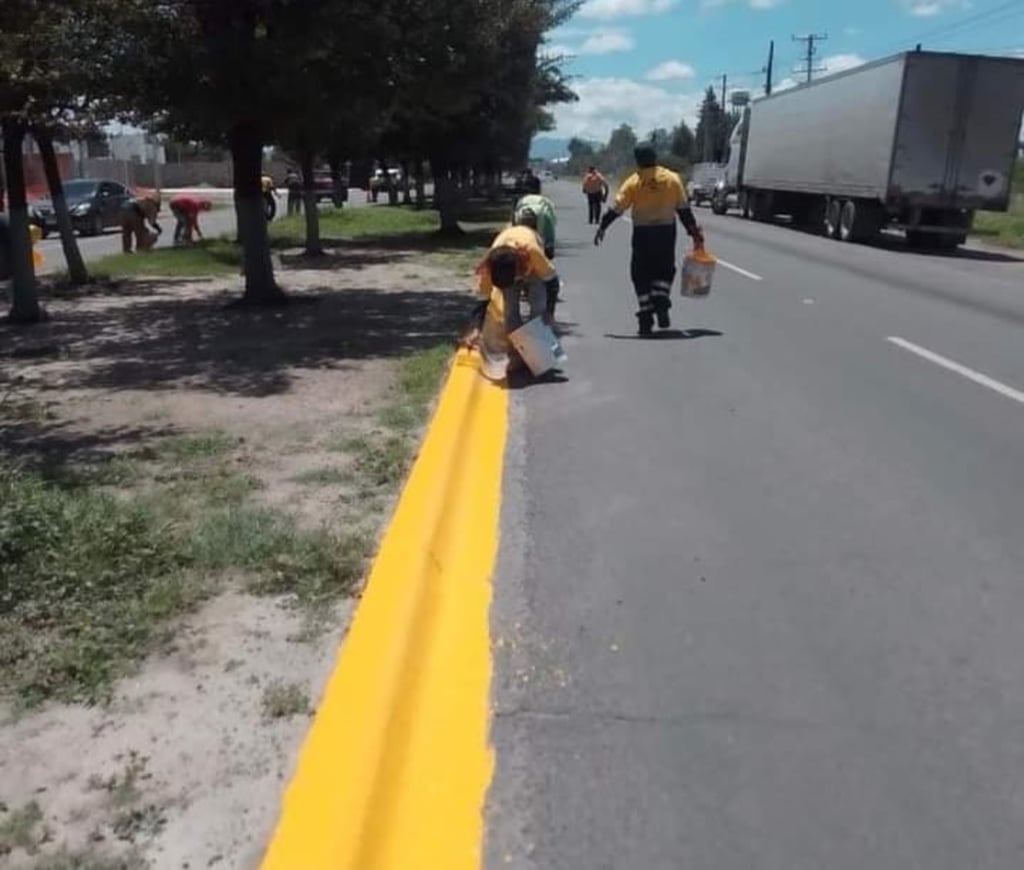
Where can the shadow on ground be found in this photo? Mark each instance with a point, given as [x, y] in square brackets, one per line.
[668, 335]
[163, 342]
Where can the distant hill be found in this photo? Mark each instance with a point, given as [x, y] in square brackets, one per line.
[549, 148]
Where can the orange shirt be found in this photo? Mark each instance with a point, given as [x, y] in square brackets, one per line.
[593, 182]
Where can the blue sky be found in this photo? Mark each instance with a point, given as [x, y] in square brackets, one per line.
[647, 62]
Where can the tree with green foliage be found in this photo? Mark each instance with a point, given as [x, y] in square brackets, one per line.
[683, 142]
[49, 84]
[246, 80]
[713, 128]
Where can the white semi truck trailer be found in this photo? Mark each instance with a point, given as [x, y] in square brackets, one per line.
[916, 142]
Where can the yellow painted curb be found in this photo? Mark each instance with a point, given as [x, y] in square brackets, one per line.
[395, 768]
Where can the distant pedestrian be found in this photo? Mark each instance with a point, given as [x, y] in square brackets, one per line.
[185, 209]
[269, 196]
[596, 190]
[293, 184]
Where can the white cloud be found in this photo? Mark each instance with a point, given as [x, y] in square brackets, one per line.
[839, 62]
[595, 40]
[607, 42]
[671, 69]
[834, 63]
[557, 49]
[608, 9]
[930, 8]
[852, 31]
[605, 103]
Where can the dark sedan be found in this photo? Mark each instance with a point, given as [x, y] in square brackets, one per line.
[95, 204]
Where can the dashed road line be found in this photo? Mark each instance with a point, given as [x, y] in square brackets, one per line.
[962, 370]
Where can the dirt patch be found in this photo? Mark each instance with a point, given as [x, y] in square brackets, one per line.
[263, 450]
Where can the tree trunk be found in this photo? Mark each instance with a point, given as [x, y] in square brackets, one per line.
[247, 167]
[313, 246]
[445, 200]
[406, 190]
[25, 307]
[421, 184]
[77, 273]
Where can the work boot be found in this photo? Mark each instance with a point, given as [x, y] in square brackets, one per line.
[646, 322]
[664, 321]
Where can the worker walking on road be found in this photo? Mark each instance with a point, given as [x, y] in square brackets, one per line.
[135, 214]
[185, 209]
[596, 190]
[657, 197]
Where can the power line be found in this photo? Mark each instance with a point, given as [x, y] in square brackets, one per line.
[809, 70]
[982, 18]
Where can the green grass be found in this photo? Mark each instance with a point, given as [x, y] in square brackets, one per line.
[356, 223]
[326, 476]
[205, 445]
[284, 700]
[90, 583]
[21, 829]
[209, 257]
[381, 457]
[1006, 229]
[98, 562]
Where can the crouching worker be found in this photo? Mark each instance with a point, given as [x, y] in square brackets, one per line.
[543, 221]
[514, 266]
[185, 209]
[534, 220]
[135, 214]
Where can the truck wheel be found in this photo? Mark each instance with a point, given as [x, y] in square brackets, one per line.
[762, 207]
[849, 222]
[833, 218]
[720, 205]
[744, 205]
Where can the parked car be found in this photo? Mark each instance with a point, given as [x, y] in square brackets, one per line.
[381, 182]
[95, 204]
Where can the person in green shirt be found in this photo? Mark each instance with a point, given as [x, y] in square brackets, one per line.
[544, 210]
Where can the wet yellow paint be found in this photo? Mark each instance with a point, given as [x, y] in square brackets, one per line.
[394, 771]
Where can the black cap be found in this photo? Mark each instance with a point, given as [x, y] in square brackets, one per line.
[645, 155]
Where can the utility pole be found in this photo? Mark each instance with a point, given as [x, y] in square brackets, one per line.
[768, 69]
[725, 85]
[810, 39]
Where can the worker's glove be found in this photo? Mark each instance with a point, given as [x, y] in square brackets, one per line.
[599, 237]
[698, 237]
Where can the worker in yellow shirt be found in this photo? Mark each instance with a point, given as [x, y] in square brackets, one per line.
[595, 188]
[269, 190]
[515, 265]
[657, 197]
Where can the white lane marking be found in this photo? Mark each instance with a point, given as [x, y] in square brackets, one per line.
[961, 370]
[738, 270]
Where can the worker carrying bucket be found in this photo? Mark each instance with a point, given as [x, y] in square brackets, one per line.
[657, 198]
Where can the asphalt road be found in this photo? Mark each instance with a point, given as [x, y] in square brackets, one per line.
[760, 600]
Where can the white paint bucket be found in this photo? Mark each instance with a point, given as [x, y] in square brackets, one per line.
[539, 347]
